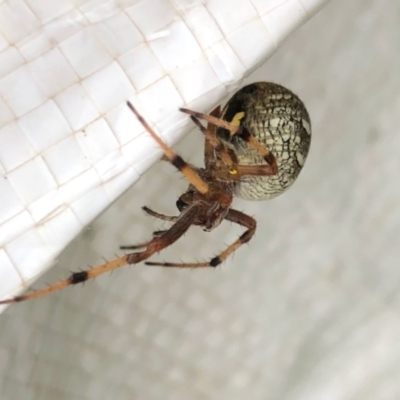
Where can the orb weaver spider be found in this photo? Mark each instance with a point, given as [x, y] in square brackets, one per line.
[254, 149]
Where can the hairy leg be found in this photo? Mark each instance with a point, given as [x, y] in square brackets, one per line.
[155, 245]
[233, 216]
[244, 134]
[190, 174]
[156, 233]
[155, 214]
[212, 143]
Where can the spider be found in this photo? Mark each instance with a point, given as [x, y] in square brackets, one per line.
[254, 148]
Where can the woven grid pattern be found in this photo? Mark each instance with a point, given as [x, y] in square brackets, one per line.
[68, 144]
[307, 311]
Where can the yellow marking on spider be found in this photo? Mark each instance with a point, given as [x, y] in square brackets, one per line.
[237, 118]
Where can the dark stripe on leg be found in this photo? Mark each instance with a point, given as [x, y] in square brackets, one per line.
[78, 277]
[179, 162]
[268, 157]
[246, 236]
[215, 261]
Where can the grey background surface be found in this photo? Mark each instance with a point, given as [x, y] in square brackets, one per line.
[309, 310]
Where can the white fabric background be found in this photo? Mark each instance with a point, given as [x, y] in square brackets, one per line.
[69, 146]
[308, 310]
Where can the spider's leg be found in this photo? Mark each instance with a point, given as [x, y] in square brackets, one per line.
[209, 153]
[134, 246]
[257, 170]
[76, 277]
[236, 170]
[159, 233]
[212, 143]
[144, 244]
[243, 133]
[233, 216]
[268, 157]
[213, 120]
[155, 214]
[190, 174]
[157, 244]
[186, 219]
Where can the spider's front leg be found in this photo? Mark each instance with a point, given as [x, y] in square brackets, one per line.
[271, 168]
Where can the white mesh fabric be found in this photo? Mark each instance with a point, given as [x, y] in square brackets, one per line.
[68, 144]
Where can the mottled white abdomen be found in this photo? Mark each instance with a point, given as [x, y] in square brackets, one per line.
[278, 119]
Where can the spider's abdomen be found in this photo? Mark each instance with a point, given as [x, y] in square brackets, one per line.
[278, 119]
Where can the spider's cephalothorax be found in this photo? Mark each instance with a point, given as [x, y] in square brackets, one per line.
[255, 148]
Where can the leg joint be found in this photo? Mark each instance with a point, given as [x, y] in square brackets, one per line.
[215, 262]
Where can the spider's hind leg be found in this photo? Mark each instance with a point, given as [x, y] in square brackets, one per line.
[233, 216]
